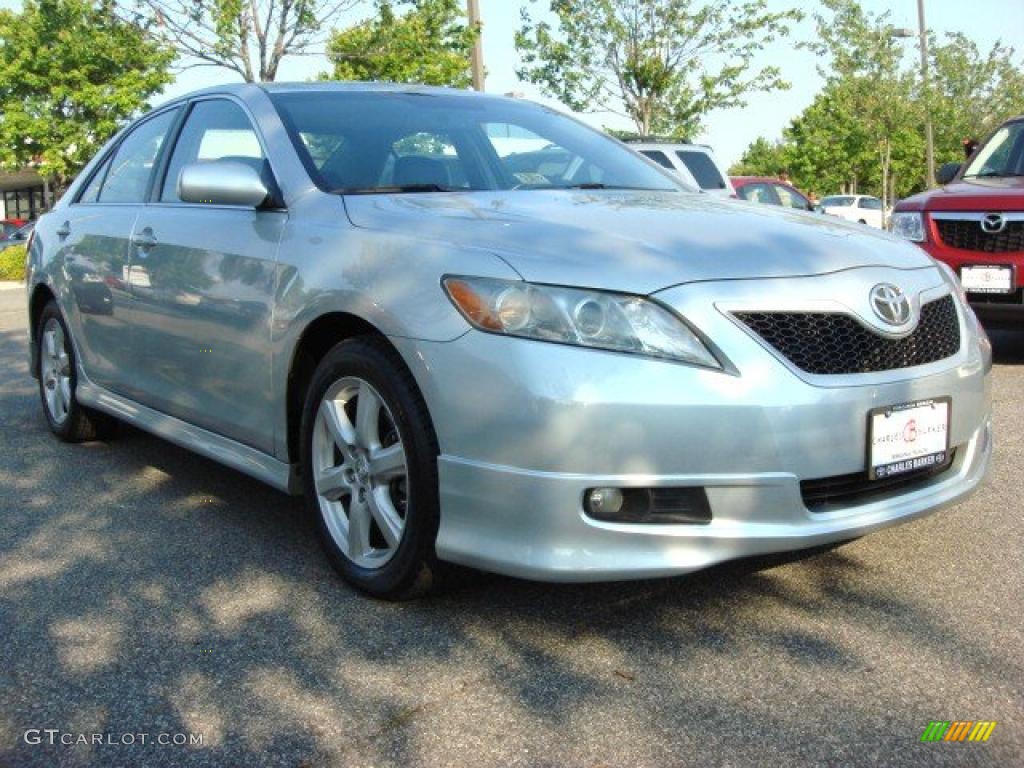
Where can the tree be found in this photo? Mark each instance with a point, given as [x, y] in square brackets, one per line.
[429, 44]
[971, 93]
[71, 73]
[664, 64]
[866, 80]
[250, 37]
[762, 158]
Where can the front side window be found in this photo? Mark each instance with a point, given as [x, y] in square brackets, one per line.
[791, 198]
[379, 141]
[758, 193]
[702, 167]
[217, 129]
[128, 178]
[1002, 155]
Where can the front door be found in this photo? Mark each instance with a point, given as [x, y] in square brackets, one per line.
[203, 287]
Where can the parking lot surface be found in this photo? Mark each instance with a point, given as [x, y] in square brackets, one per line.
[145, 590]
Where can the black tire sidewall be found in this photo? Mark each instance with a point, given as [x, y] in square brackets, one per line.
[414, 561]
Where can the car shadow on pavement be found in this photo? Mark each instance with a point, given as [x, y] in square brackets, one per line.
[1007, 346]
[146, 589]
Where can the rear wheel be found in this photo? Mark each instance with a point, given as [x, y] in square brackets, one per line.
[370, 470]
[58, 377]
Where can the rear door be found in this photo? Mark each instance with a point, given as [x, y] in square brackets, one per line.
[204, 288]
[94, 248]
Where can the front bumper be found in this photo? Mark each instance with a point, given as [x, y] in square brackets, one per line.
[525, 428]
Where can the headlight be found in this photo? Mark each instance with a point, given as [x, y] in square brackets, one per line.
[908, 225]
[611, 321]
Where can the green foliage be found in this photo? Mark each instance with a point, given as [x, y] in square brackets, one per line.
[864, 132]
[12, 263]
[664, 64]
[250, 37]
[71, 73]
[429, 43]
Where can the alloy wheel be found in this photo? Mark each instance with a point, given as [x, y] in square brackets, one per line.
[55, 371]
[360, 472]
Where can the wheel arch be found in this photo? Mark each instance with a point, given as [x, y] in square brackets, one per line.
[316, 340]
[41, 296]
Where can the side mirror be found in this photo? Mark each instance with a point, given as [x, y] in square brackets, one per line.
[947, 173]
[222, 182]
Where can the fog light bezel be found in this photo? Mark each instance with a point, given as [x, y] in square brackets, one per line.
[673, 505]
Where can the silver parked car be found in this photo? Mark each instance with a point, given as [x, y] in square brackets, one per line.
[471, 329]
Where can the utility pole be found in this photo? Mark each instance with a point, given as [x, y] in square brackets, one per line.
[476, 55]
[929, 135]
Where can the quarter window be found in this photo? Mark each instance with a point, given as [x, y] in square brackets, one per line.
[217, 129]
[658, 157]
[91, 193]
[130, 170]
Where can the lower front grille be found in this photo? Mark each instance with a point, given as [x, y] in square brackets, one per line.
[968, 235]
[828, 493]
[832, 343]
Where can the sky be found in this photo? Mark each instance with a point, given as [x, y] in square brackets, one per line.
[730, 131]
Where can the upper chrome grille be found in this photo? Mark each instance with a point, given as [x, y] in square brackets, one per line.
[833, 343]
[968, 235]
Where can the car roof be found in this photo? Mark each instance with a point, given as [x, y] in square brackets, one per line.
[335, 86]
[666, 144]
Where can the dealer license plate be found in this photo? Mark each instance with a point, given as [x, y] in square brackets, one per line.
[904, 438]
[993, 279]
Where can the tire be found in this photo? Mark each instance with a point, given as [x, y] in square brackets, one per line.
[861, 221]
[58, 379]
[376, 513]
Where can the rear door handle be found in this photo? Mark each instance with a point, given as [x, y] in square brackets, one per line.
[144, 239]
[64, 230]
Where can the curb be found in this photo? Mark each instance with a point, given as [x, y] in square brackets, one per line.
[11, 285]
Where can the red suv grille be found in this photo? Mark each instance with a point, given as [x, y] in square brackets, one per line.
[969, 236]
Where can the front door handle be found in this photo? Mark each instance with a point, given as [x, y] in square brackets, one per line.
[64, 230]
[144, 240]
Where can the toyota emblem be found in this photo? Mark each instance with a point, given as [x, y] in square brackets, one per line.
[890, 304]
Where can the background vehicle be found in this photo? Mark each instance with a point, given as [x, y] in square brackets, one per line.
[9, 226]
[696, 163]
[863, 209]
[772, 191]
[18, 236]
[975, 224]
[360, 293]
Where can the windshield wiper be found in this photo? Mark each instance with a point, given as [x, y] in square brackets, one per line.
[992, 175]
[391, 190]
[599, 185]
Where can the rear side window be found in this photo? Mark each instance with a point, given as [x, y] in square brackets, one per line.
[91, 193]
[837, 202]
[217, 129]
[703, 169]
[659, 157]
[871, 203]
[130, 170]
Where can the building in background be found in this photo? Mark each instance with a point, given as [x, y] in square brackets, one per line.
[23, 195]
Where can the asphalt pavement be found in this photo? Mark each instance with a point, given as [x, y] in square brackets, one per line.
[145, 590]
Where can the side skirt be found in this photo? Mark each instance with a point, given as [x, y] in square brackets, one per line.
[233, 454]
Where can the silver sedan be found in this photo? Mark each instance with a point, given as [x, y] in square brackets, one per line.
[471, 329]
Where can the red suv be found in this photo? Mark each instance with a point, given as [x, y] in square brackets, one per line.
[975, 223]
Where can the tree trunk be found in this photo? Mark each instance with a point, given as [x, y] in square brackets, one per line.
[886, 161]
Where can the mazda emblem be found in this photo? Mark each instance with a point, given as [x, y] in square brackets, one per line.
[993, 223]
[890, 304]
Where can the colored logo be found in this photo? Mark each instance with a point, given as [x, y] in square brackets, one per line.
[958, 730]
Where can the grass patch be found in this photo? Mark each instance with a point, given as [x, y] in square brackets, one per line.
[12, 263]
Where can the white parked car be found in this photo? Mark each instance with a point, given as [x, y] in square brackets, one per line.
[696, 163]
[863, 209]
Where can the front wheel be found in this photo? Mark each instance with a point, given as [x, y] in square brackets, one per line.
[370, 470]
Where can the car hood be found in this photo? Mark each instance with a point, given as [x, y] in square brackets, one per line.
[638, 242]
[995, 194]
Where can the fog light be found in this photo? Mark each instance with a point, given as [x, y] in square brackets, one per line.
[605, 501]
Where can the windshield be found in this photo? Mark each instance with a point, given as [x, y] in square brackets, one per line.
[382, 141]
[1003, 155]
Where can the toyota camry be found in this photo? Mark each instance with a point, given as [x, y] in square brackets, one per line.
[470, 329]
